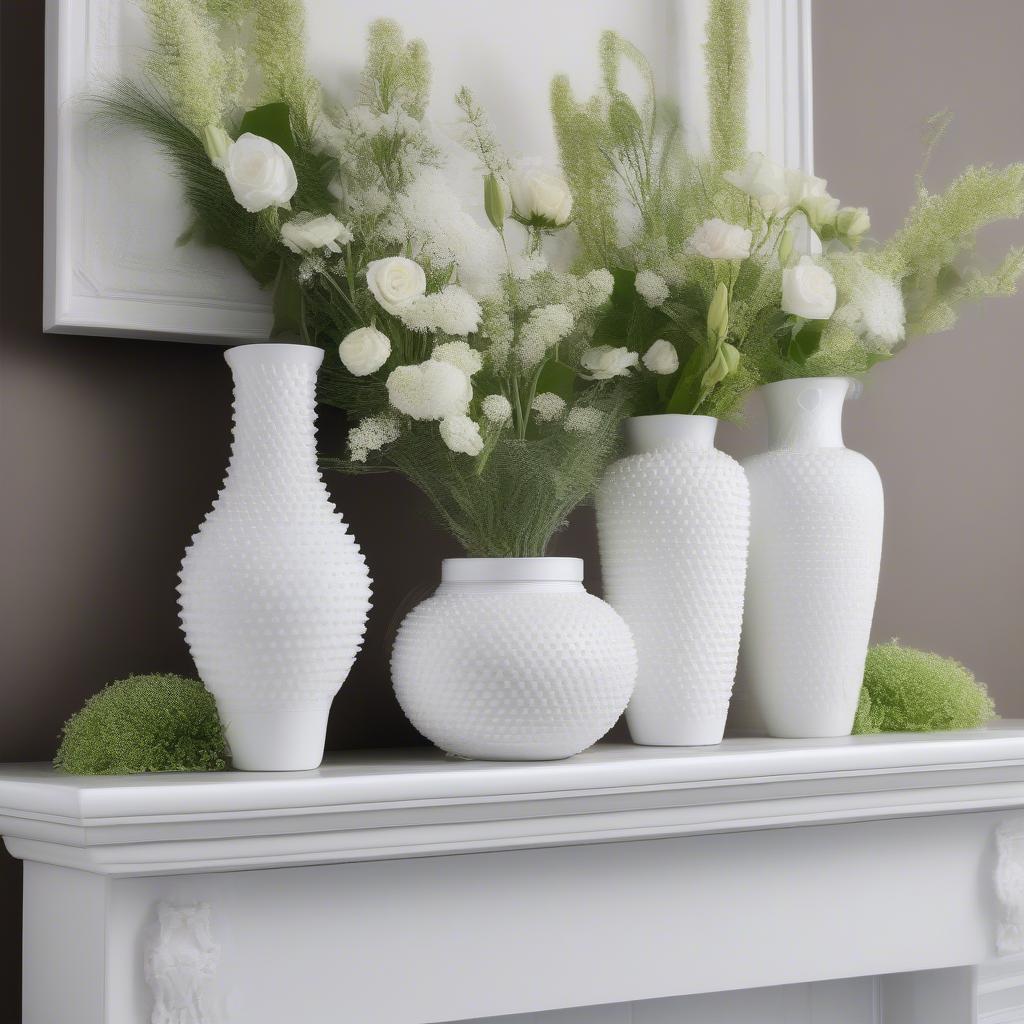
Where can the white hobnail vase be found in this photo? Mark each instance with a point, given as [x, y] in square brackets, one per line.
[673, 519]
[274, 590]
[815, 550]
[512, 660]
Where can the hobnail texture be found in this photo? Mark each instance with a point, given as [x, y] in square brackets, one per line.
[815, 550]
[513, 669]
[673, 527]
[274, 591]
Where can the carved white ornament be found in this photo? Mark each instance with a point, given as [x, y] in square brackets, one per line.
[181, 961]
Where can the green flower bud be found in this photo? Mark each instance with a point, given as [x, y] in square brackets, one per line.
[726, 361]
[718, 314]
[786, 246]
[820, 211]
[216, 142]
[853, 221]
[494, 202]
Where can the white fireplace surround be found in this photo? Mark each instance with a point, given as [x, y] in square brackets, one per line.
[805, 882]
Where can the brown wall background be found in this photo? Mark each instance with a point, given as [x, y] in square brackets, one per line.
[111, 451]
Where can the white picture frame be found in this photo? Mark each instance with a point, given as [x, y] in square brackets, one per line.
[113, 213]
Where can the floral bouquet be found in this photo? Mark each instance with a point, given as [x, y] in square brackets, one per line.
[461, 355]
[732, 271]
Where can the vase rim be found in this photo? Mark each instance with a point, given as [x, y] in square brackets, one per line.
[546, 568]
[274, 352]
[672, 416]
[792, 382]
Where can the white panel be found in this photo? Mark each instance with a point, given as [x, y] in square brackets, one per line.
[113, 213]
[1001, 991]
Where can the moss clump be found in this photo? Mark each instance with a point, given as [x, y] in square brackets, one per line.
[906, 690]
[152, 723]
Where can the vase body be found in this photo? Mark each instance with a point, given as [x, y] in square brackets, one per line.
[815, 551]
[274, 590]
[511, 659]
[673, 520]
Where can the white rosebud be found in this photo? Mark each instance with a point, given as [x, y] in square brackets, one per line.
[800, 187]
[306, 233]
[853, 221]
[808, 291]
[605, 362]
[497, 408]
[460, 354]
[462, 434]
[547, 406]
[396, 282]
[662, 357]
[259, 172]
[429, 391]
[719, 240]
[539, 196]
[364, 351]
[763, 180]
[216, 142]
[651, 287]
[820, 211]
[583, 419]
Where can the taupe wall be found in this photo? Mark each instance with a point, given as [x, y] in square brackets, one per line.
[110, 451]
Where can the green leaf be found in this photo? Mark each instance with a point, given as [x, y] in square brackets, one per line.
[804, 340]
[557, 378]
[494, 202]
[687, 390]
[271, 121]
[287, 306]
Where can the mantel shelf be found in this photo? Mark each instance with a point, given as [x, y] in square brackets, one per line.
[377, 805]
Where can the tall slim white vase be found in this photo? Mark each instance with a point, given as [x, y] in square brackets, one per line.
[673, 521]
[815, 550]
[274, 590]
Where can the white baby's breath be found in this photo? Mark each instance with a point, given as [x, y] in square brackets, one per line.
[652, 288]
[460, 354]
[496, 408]
[461, 434]
[547, 407]
[371, 434]
[450, 311]
[583, 419]
[429, 391]
[875, 310]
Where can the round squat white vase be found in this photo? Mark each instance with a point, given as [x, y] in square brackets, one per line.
[673, 519]
[274, 590]
[512, 660]
[815, 551]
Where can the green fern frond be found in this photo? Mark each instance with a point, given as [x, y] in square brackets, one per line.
[279, 45]
[395, 72]
[726, 53]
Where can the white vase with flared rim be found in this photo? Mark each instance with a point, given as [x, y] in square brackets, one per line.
[511, 659]
[817, 512]
[274, 591]
[673, 518]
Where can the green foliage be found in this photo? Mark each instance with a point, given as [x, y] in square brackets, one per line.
[395, 72]
[201, 82]
[726, 52]
[907, 690]
[145, 723]
[279, 46]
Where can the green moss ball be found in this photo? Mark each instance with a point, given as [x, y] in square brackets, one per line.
[913, 691]
[152, 723]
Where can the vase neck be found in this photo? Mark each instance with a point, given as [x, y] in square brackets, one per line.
[274, 411]
[510, 575]
[806, 412]
[645, 434]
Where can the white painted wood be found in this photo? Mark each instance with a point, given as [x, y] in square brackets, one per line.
[1001, 991]
[112, 212]
[756, 865]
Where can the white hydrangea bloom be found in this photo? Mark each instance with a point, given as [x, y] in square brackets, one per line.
[450, 311]
[461, 434]
[371, 434]
[429, 391]
[652, 288]
[876, 310]
[547, 406]
[497, 408]
[460, 354]
[547, 326]
[583, 419]
[602, 283]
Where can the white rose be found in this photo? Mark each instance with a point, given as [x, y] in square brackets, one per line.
[662, 357]
[462, 434]
[259, 172]
[364, 351]
[539, 195]
[605, 362]
[719, 240]
[808, 291]
[763, 180]
[306, 233]
[396, 282]
[430, 390]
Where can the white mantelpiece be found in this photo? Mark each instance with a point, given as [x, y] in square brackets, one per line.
[404, 887]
